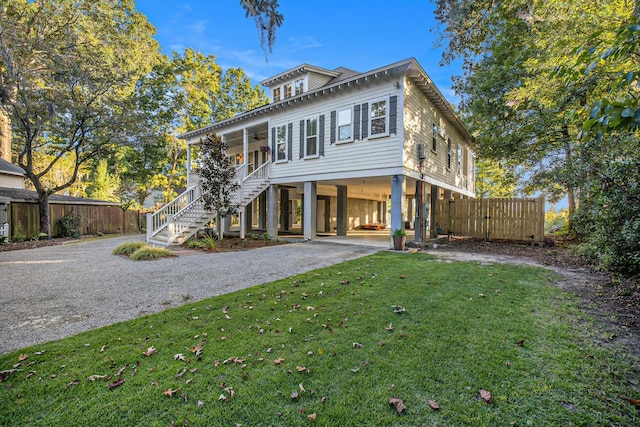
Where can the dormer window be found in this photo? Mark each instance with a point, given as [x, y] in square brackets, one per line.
[287, 91]
[276, 94]
[299, 86]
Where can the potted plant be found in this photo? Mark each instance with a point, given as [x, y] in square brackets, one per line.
[399, 238]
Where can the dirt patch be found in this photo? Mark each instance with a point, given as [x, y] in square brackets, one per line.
[230, 244]
[32, 244]
[614, 302]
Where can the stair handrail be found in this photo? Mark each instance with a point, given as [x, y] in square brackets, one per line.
[160, 218]
[258, 175]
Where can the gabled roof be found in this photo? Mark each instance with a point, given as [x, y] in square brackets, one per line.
[10, 169]
[408, 67]
[297, 71]
[18, 194]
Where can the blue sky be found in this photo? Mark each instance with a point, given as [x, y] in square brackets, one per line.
[361, 35]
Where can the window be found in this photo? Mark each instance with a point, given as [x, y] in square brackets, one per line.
[459, 159]
[449, 153]
[281, 143]
[434, 141]
[345, 125]
[311, 137]
[378, 117]
[299, 86]
[276, 94]
[287, 91]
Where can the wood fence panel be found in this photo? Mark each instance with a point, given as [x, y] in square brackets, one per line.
[93, 218]
[504, 219]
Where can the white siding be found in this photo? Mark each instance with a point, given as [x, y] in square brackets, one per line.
[11, 181]
[368, 154]
[316, 80]
[419, 116]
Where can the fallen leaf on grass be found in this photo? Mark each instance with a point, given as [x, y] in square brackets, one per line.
[301, 368]
[357, 345]
[116, 383]
[23, 357]
[312, 416]
[434, 405]
[179, 356]
[302, 390]
[294, 394]
[223, 397]
[390, 327]
[486, 396]
[520, 343]
[149, 351]
[278, 361]
[121, 371]
[76, 382]
[200, 403]
[634, 402]
[170, 392]
[97, 377]
[398, 404]
[30, 374]
[398, 309]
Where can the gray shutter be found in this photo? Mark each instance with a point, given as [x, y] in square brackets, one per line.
[301, 138]
[273, 145]
[332, 138]
[356, 122]
[393, 114]
[290, 141]
[321, 136]
[365, 120]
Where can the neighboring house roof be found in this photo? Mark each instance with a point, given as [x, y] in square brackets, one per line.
[345, 78]
[20, 195]
[10, 169]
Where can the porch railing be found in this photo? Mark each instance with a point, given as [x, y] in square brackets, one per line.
[161, 217]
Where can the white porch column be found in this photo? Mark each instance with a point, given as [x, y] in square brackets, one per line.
[398, 197]
[189, 165]
[310, 220]
[242, 214]
[245, 148]
[272, 211]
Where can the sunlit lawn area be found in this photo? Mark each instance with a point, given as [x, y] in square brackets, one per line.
[332, 347]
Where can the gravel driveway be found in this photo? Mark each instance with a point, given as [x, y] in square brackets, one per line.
[53, 292]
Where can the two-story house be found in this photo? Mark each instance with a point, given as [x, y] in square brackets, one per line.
[339, 150]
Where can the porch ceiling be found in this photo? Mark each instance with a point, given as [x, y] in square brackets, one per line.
[375, 188]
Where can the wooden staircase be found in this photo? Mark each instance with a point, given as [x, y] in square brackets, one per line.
[183, 217]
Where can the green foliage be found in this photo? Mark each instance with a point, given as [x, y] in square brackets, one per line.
[556, 222]
[104, 186]
[128, 248]
[218, 178]
[399, 232]
[71, 226]
[148, 253]
[18, 234]
[267, 18]
[206, 241]
[457, 334]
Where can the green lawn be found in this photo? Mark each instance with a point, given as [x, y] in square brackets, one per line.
[328, 345]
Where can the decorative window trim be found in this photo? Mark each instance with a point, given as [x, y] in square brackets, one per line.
[350, 123]
[385, 117]
[317, 137]
[287, 89]
[277, 94]
[281, 142]
[298, 86]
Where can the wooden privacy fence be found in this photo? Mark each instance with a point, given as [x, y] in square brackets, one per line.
[508, 219]
[94, 218]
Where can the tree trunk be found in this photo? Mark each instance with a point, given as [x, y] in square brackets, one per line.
[5, 136]
[45, 220]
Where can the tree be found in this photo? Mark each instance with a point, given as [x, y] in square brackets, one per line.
[268, 19]
[104, 186]
[68, 71]
[218, 179]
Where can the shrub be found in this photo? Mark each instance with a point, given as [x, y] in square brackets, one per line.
[147, 253]
[18, 234]
[70, 225]
[128, 248]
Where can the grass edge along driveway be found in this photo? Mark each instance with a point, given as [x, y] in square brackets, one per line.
[487, 344]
